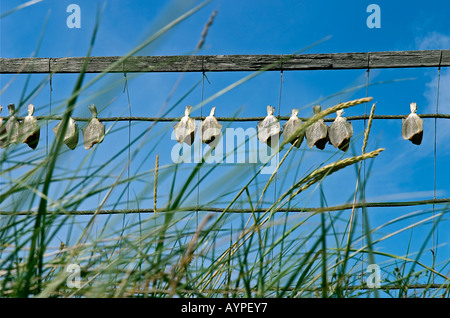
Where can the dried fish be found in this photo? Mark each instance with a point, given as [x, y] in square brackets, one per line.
[11, 128]
[71, 135]
[30, 129]
[94, 132]
[269, 128]
[340, 132]
[210, 128]
[186, 128]
[291, 126]
[412, 126]
[317, 133]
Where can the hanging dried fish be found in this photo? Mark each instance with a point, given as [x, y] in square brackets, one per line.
[317, 133]
[185, 129]
[94, 132]
[412, 126]
[30, 129]
[2, 130]
[269, 127]
[291, 126]
[71, 135]
[210, 128]
[340, 132]
[11, 128]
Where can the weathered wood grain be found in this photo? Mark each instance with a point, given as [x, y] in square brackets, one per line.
[229, 63]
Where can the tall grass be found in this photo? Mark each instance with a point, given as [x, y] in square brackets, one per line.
[174, 250]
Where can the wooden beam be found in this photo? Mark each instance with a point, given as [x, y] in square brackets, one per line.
[230, 63]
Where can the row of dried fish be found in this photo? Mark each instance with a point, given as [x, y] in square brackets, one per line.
[318, 134]
[185, 130]
[27, 131]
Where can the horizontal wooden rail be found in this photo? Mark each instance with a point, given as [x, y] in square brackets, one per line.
[233, 119]
[219, 210]
[229, 63]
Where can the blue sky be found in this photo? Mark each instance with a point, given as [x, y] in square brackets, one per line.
[403, 171]
[241, 27]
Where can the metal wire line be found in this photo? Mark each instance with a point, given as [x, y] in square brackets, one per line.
[236, 119]
[349, 206]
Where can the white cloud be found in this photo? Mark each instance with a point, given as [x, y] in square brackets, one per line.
[433, 41]
[444, 93]
[407, 196]
[437, 41]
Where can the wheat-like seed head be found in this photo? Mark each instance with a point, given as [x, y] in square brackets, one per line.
[323, 114]
[319, 174]
[369, 125]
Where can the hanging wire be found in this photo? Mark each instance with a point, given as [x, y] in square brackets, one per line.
[200, 157]
[125, 89]
[277, 155]
[279, 111]
[200, 148]
[434, 249]
[363, 194]
[50, 108]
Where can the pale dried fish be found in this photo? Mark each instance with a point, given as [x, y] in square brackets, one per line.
[340, 132]
[30, 129]
[185, 129]
[412, 126]
[291, 126]
[269, 128]
[94, 132]
[210, 128]
[317, 133]
[11, 128]
[71, 135]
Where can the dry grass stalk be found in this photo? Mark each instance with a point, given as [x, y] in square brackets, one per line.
[310, 180]
[366, 137]
[205, 30]
[318, 174]
[180, 268]
[155, 186]
[369, 125]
